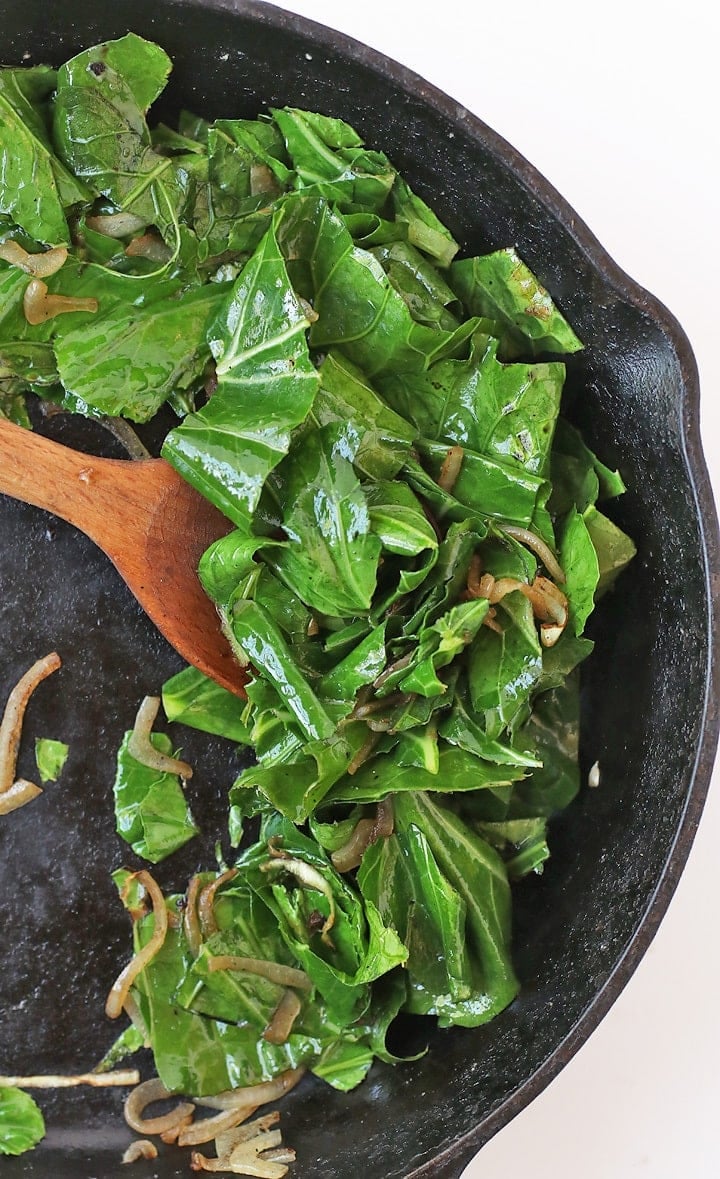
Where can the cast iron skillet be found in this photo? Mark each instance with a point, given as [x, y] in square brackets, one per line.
[582, 927]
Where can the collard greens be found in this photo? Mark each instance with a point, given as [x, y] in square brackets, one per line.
[416, 550]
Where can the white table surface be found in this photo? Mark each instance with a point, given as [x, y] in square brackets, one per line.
[617, 104]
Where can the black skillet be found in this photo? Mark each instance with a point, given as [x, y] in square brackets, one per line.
[617, 852]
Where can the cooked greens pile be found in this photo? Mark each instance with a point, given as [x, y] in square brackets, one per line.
[415, 553]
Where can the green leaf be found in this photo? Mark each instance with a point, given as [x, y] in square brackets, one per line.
[578, 476]
[115, 365]
[424, 230]
[494, 489]
[553, 731]
[458, 771]
[21, 1123]
[501, 287]
[345, 396]
[266, 385]
[50, 757]
[328, 155]
[579, 561]
[503, 669]
[151, 813]
[504, 411]
[100, 130]
[428, 297]
[35, 187]
[332, 555]
[190, 698]
[613, 547]
[397, 517]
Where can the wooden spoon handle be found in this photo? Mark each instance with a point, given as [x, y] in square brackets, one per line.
[50, 476]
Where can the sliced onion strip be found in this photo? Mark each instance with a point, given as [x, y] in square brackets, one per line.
[191, 921]
[11, 725]
[115, 224]
[39, 305]
[206, 902]
[144, 1095]
[450, 468]
[121, 986]
[348, 856]
[308, 877]
[38, 265]
[209, 1128]
[538, 546]
[141, 1148]
[119, 1078]
[142, 749]
[283, 1018]
[275, 972]
[20, 793]
[256, 1095]
[228, 1140]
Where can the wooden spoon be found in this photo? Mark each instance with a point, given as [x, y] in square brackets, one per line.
[152, 525]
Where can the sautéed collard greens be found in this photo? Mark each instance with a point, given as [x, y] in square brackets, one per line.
[416, 548]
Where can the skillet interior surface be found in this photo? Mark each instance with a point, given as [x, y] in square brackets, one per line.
[617, 851]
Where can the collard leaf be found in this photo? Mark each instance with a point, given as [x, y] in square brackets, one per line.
[613, 547]
[332, 555]
[50, 757]
[484, 485]
[424, 230]
[21, 1123]
[190, 698]
[501, 287]
[397, 517]
[36, 189]
[266, 386]
[151, 813]
[458, 771]
[328, 155]
[579, 561]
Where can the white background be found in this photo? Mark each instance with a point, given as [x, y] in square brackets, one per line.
[617, 104]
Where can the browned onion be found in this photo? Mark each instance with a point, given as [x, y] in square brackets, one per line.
[120, 1078]
[11, 724]
[503, 586]
[537, 546]
[283, 1018]
[150, 246]
[309, 877]
[191, 922]
[208, 1128]
[39, 265]
[20, 793]
[262, 180]
[121, 986]
[365, 833]
[275, 972]
[362, 754]
[144, 1095]
[142, 1148]
[256, 1095]
[351, 853]
[115, 224]
[39, 305]
[550, 633]
[142, 749]
[548, 602]
[206, 901]
[398, 665]
[226, 1142]
[450, 468]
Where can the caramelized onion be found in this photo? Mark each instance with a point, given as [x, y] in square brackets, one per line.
[275, 972]
[362, 754]
[150, 246]
[115, 224]
[20, 793]
[120, 1078]
[191, 922]
[11, 726]
[308, 877]
[39, 305]
[503, 586]
[38, 265]
[538, 546]
[450, 468]
[548, 602]
[141, 1148]
[206, 901]
[208, 1128]
[142, 749]
[283, 1018]
[228, 1140]
[365, 833]
[144, 1095]
[256, 1095]
[121, 986]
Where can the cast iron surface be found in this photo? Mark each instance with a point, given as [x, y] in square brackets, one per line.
[617, 852]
